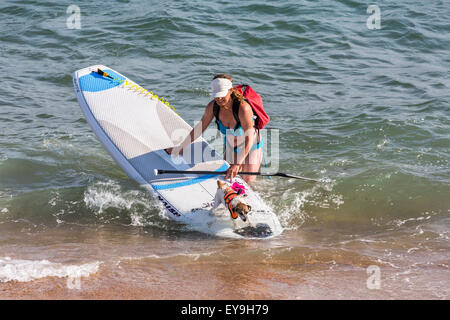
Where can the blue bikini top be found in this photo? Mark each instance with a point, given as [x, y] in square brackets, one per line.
[237, 131]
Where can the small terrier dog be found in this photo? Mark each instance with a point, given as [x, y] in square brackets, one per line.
[233, 201]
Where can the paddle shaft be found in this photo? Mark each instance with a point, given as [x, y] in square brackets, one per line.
[277, 174]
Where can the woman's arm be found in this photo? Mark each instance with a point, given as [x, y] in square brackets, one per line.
[196, 131]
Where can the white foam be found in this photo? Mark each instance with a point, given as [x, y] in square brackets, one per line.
[193, 256]
[291, 208]
[103, 195]
[28, 270]
[382, 144]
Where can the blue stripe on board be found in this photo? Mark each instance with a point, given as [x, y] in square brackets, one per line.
[93, 82]
[189, 182]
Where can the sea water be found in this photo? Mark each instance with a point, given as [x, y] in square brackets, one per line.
[358, 97]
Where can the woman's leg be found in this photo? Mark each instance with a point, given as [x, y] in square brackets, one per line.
[252, 164]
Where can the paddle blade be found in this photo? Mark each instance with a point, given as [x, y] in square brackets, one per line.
[295, 177]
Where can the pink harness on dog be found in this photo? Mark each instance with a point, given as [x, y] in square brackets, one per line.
[239, 188]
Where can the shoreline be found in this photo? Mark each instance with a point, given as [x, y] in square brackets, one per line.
[214, 281]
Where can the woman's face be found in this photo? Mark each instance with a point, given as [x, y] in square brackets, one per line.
[223, 101]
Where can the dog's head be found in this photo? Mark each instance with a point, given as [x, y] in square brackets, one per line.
[242, 209]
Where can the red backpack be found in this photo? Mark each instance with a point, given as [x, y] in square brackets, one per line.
[254, 100]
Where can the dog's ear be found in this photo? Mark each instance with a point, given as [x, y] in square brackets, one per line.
[249, 208]
[219, 184]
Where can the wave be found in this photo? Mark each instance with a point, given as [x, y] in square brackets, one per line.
[28, 270]
[109, 202]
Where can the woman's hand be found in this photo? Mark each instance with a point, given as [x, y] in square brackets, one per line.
[175, 150]
[233, 171]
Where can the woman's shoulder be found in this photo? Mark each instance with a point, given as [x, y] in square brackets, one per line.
[244, 107]
[210, 104]
[209, 108]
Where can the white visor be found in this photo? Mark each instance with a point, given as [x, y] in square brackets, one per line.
[220, 87]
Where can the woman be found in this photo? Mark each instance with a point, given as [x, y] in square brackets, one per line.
[243, 143]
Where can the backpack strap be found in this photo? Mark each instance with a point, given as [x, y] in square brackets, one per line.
[216, 110]
[236, 105]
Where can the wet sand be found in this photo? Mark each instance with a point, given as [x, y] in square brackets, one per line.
[213, 282]
[140, 265]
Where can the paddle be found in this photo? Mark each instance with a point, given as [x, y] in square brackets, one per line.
[278, 174]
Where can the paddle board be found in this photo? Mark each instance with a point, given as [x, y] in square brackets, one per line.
[135, 127]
